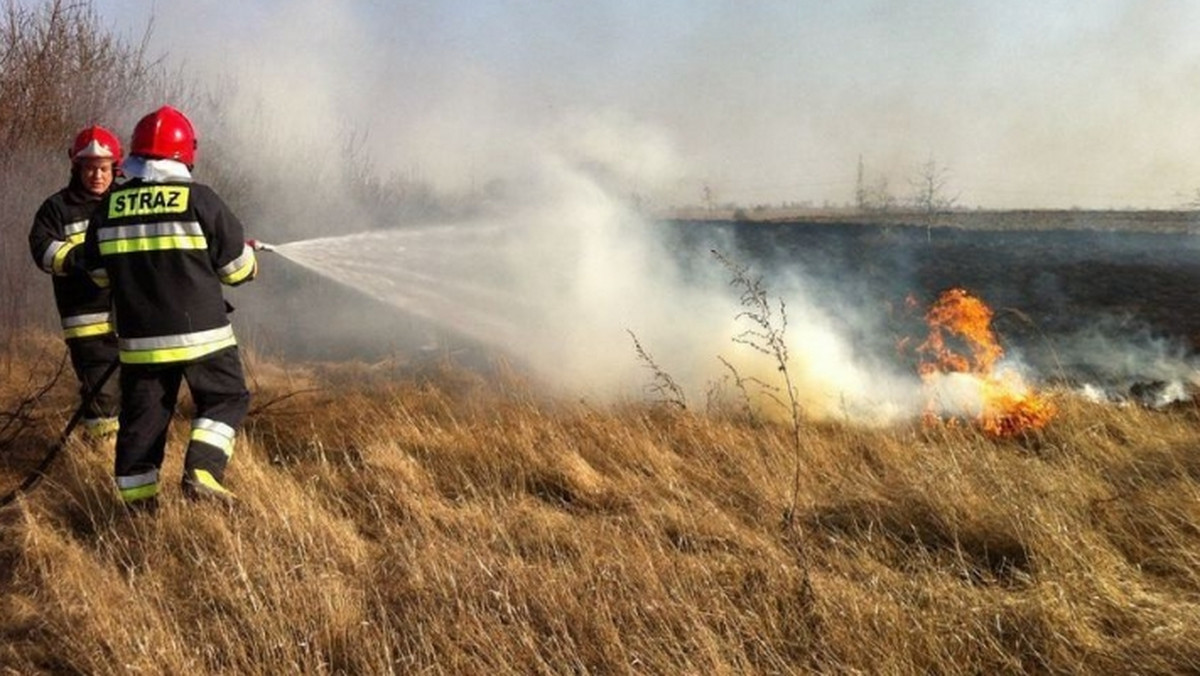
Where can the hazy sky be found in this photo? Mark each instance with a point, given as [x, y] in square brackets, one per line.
[574, 105]
[1026, 103]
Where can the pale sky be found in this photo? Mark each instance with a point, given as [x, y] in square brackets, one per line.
[1026, 103]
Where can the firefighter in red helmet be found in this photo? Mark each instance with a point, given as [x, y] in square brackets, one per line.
[84, 308]
[165, 244]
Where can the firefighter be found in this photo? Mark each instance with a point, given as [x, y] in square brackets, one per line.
[54, 240]
[165, 244]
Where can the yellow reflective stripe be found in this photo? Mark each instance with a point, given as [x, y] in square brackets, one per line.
[241, 275]
[60, 256]
[138, 486]
[91, 324]
[166, 243]
[177, 340]
[96, 428]
[240, 269]
[139, 493]
[89, 330]
[206, 479]
[165, 355]
[214, 433]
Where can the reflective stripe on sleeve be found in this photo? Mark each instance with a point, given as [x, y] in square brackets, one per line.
[75, 231]
[50, 254]
[240, 269]
[214, 433]
[179, 347]
[80, 326]
[57, 251]
[60, 256]
[138, 486]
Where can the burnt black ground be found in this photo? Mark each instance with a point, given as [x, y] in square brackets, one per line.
[1047, 287]
[1078, 296]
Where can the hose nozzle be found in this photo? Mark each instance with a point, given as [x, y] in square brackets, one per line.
[259, 246]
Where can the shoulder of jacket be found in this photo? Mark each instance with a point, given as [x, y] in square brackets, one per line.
[55, 202]
[202, 193]
[61, 196]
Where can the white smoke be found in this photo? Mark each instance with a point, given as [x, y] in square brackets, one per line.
[1114, 362]
[563, 268]
[1029, 104]
[563, 125]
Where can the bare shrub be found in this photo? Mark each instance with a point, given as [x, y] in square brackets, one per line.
[663, 386]
[767, 334]
[60, 71]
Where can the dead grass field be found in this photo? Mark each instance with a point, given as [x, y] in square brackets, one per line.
[396, 522]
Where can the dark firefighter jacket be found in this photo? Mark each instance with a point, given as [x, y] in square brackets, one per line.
[54, 240]
[165, 249]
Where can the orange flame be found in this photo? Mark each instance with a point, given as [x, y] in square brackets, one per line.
[961, 341]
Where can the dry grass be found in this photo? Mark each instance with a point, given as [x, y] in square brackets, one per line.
[441, 523]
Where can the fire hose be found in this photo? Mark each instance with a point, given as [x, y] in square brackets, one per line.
[35, 477]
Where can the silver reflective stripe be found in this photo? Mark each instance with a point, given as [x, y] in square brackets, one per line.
[238, 263]
[137, 480]
[75, 228]
[150, 230]
[48, 257]
[84, 320]
[214, 433]
[138, 487]
[178, 340]
[214, 426]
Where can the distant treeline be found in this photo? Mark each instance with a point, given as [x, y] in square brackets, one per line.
[1174, 221]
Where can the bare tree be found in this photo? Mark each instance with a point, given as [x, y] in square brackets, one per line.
[1194, 202]
[710, 199]
[59, 72]
[880, 197]
[860, 188]
[929, 196]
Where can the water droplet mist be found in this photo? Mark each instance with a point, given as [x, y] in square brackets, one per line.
[558, 278]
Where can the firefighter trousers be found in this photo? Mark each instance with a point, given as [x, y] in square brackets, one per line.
[91, 357]
[148, 397]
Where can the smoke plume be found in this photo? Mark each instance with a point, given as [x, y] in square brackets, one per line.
[529, 147]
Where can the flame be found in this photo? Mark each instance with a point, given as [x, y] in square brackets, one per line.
[960, 355]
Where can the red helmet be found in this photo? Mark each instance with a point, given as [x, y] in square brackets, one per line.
[95, 142]
[165, 134]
